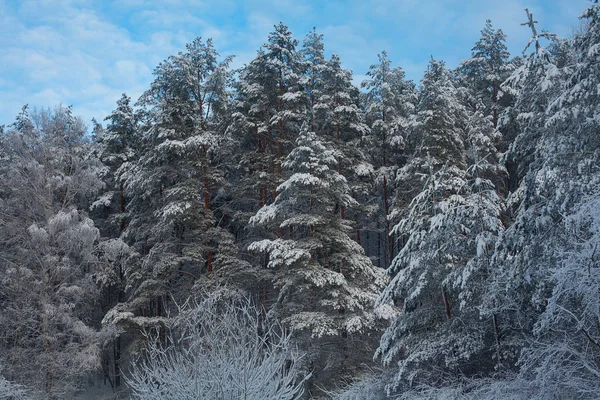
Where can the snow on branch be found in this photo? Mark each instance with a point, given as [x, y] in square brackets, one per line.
[281, 252]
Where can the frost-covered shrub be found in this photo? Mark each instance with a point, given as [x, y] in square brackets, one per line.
[217, 349]
[10, 391]
[371, 386]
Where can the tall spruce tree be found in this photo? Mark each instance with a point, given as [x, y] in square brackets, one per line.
[313, 53]
[254, 103]
[284, 62]
[270, 106]
[117, 147]
[531, 101]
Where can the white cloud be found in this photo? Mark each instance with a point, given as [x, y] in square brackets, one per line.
[86, 53]
[64, 52]
[47, 97]
[166, 19]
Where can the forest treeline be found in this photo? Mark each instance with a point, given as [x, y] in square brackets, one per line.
[426, 241]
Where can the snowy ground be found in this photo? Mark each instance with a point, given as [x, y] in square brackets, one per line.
[100, 392]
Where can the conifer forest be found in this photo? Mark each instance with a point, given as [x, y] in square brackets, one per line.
[277, 232]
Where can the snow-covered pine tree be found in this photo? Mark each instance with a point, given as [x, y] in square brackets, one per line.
[479, 79]
[313, 53]
[448, 231]
[335, 115]
[530, 103]
[344, 128]
[269, 108]
[269, 105]
[437, 136]
[389, 104]
[117, 149]
[516, 279]
[545, 290]
[487, 69]
[327, 286]
[285, 63]
[252, 178]
[170, 186]
[116, 146]
[113, 148]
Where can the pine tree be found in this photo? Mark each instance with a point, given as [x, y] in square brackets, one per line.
[116, 147]
[169, 188]
[531, 85]
[448, 230]
[487, 69]
[335, 116]
[326, 284]
[436, 137]
[389, 103]
[545, 287]
[344, 124]
[270, 107]
[313, 53]
[531, 99]
[285, 64]
[253, 178]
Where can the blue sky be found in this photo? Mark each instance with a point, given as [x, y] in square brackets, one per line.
[87, 52]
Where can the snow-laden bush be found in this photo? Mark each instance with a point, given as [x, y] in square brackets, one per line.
[371, 386]
[216, 349]
[10, 391]
[509, 387]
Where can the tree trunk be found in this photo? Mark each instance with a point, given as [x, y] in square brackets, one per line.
[280, 148]
[378, 248]
[446, 303]
[117, 362]
[209, 266]
[356, 217]
[368, 241]
[261, 198]
[122, 202]
[495, 90]
[280, 111]
[261, 202]
[497, 336]
[386, 207]
[209, 256]
[337, 142]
